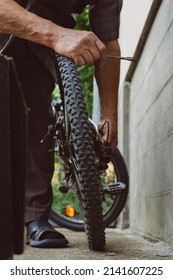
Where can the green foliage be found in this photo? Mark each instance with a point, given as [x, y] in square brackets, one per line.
[62, 200]
[86, 75]
[86, 72]
[82, 20]
[56, 93]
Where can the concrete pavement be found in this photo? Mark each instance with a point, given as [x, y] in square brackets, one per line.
[119, 245]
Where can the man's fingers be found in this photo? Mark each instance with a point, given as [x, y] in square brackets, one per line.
[103, 129]
[108, 133]
[89, 49]
[96, 47]
[79, 60]
[87, 56]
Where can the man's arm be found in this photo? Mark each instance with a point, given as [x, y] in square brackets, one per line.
[82, 46]
[107, 77]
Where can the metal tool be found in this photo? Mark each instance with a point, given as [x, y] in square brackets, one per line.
[120, 57]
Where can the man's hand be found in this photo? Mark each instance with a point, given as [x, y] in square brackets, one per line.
[107, 128]
[82, 46]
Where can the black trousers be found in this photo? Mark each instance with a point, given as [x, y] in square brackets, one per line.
[37, 83]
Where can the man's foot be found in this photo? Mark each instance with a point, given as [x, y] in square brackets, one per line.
[41, 234]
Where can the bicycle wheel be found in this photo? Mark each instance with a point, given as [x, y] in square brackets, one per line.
[81, 153]
[112, 204]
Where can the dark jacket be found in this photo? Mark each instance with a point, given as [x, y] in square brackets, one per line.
[104, 18]
[104, 15]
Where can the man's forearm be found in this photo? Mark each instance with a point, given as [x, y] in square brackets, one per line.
[82, 46]
[107, 77]
[15, 20]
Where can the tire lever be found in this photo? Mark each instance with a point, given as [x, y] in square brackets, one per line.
[120, 57]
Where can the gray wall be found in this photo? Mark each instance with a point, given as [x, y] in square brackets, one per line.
[150, 132]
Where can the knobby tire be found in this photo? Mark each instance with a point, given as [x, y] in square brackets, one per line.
[84, 154]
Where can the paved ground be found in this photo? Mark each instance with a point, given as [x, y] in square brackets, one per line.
[120, 245]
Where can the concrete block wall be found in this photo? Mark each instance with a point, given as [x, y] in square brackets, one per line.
[151, 132]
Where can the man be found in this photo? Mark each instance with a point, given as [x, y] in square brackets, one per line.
[48, 26]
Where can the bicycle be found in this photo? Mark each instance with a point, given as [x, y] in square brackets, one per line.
[88, 171]
[84, 159]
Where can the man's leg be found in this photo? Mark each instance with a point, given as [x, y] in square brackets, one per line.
[38, 92]
[37, 84]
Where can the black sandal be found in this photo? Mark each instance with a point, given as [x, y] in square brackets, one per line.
[42, 235]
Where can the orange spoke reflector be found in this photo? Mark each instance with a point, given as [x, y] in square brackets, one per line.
[70, 211]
